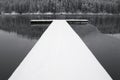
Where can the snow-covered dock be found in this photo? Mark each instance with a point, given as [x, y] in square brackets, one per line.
[60, 54]
[43, 21]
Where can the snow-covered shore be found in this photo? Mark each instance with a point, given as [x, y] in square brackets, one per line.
[61, 13]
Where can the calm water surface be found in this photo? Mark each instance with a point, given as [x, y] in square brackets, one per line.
[18, 36]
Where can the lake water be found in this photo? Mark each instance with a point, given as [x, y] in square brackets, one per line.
[18, 36]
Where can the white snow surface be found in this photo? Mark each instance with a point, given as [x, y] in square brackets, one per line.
[60, 54]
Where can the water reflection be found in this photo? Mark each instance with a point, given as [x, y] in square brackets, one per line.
[107, 24]
[21, 24]
[18, 36]
[13, 49]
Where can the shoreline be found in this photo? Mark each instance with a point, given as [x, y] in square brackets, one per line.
[63, 13]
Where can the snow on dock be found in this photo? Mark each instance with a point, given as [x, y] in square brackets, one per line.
[43, 21]
[60, 54]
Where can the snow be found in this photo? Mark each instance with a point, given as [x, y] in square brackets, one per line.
[60, 54]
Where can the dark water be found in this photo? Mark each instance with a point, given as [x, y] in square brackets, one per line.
[18, 36]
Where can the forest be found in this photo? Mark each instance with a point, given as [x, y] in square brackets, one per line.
[58, 6]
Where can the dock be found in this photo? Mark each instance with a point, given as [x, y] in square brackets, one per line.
[48, 21]
[60, 54]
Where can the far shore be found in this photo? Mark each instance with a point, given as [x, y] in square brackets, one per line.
[62, 13]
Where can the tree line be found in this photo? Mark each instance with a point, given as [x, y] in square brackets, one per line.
[56, 6]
